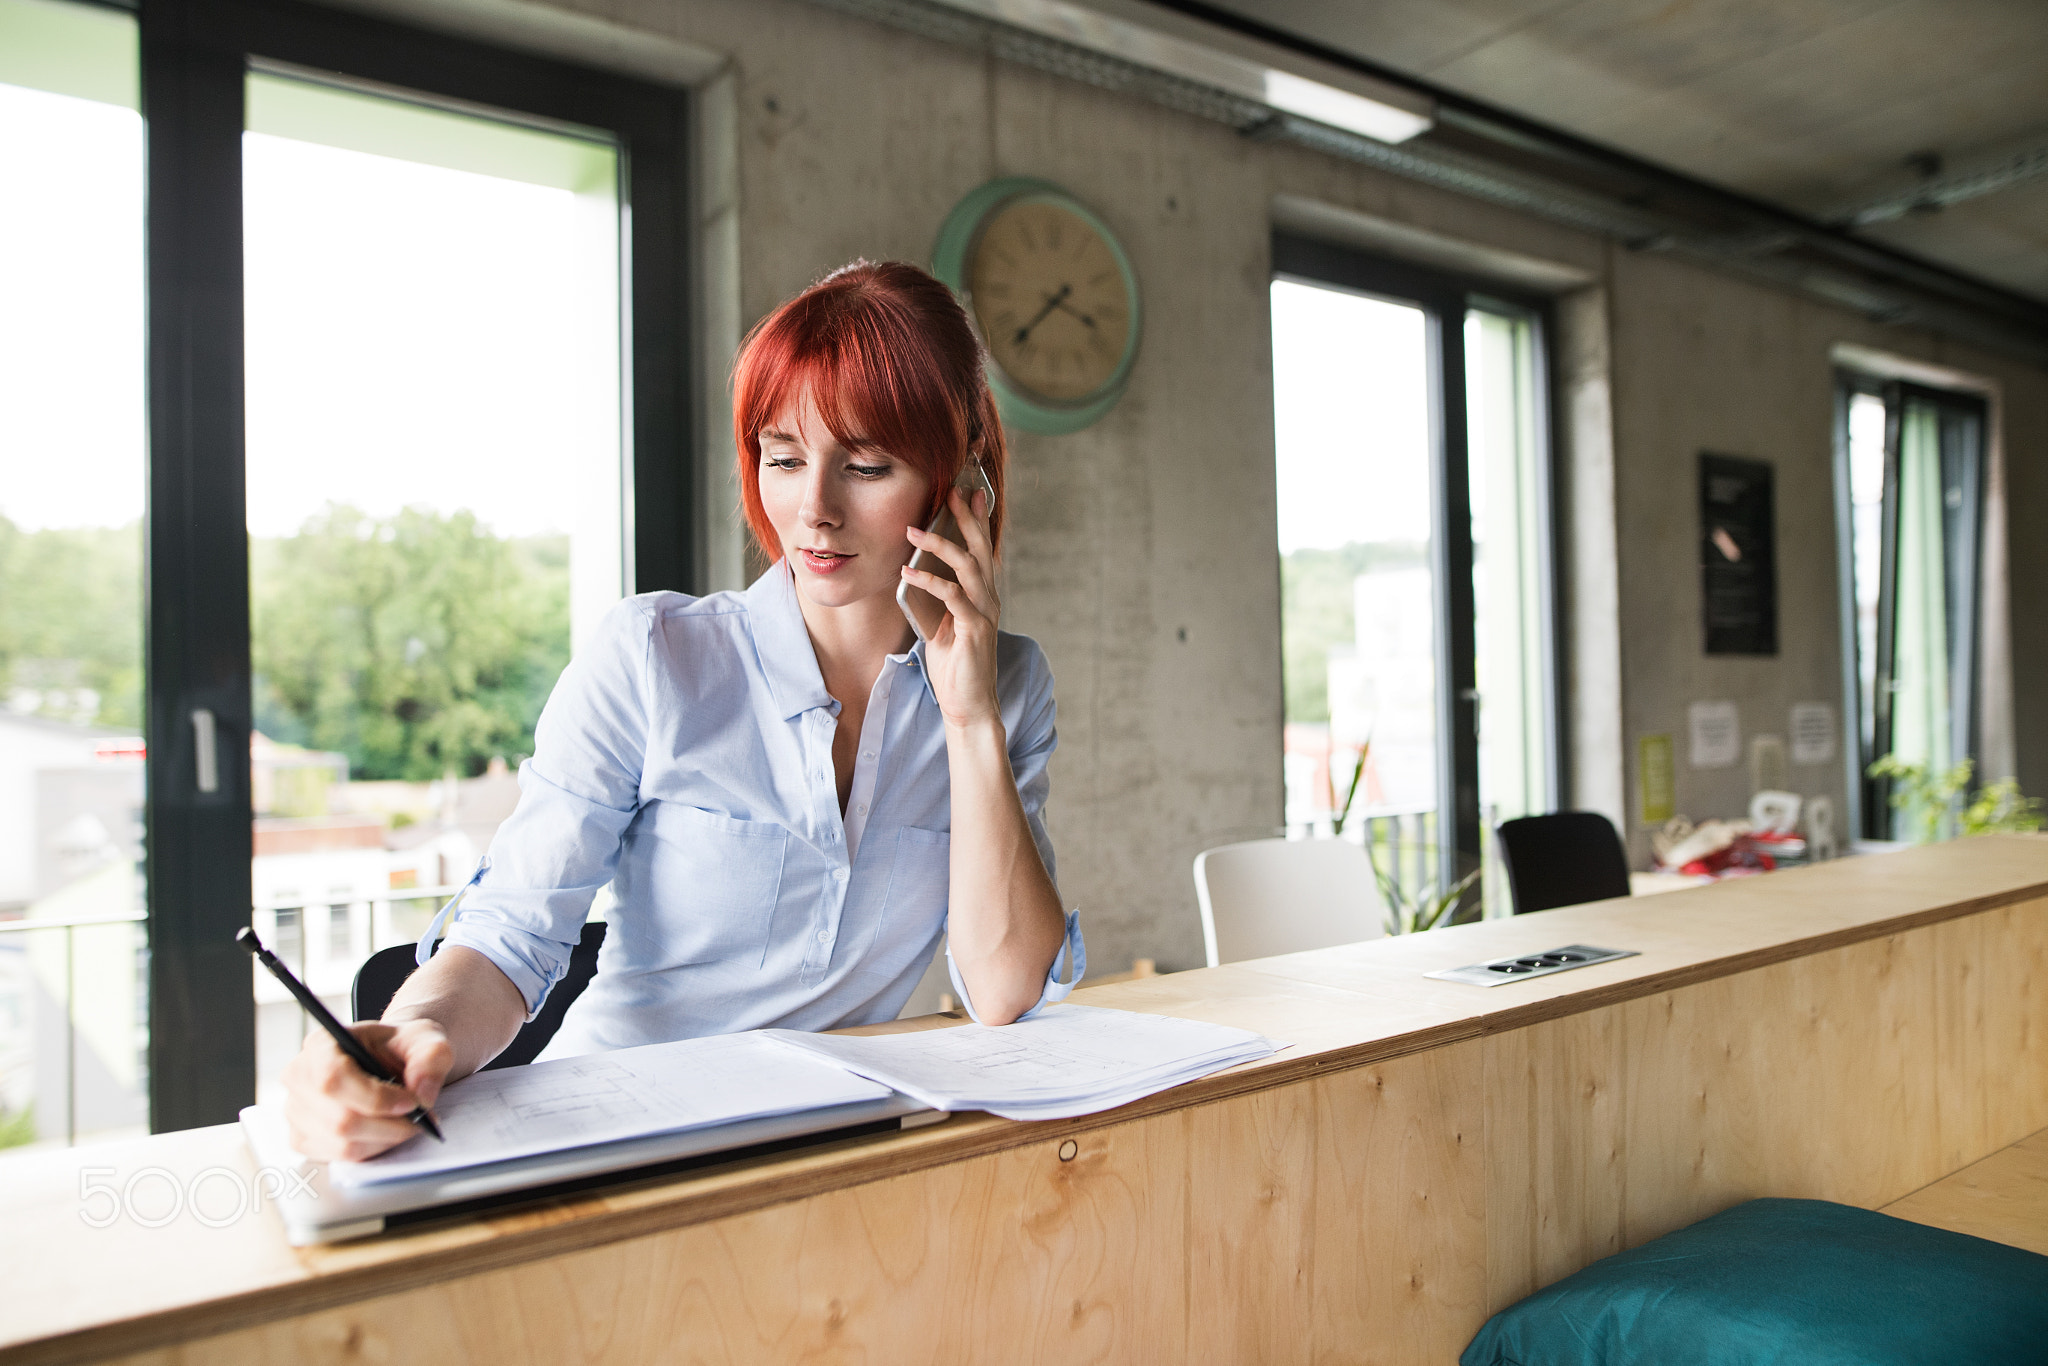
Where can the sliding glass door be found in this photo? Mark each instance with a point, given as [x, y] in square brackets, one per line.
[1414, 526]
[377, 334]
[72, 461]
[1910, 489]
[436, 496]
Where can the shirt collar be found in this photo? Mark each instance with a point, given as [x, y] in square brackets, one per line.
[784, 644]
[913, 658]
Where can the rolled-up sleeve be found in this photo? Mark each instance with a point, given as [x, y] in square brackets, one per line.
[577, 795]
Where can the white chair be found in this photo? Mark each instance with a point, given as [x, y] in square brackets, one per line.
[1264, 897]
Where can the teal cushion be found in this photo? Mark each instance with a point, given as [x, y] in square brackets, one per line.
[1786, 1281]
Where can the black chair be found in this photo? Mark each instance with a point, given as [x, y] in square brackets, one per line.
[1564, 859]
[379, 979]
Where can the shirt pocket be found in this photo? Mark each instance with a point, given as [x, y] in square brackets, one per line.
[717, 882]
[920, 880]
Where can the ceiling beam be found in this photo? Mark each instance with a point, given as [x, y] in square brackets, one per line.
[1978, 175]
[1504, 158]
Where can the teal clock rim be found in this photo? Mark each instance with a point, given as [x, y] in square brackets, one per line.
[949, 263]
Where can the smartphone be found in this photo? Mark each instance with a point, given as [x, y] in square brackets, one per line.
[924, 612]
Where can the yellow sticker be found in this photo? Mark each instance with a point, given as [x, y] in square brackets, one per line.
[1654, 779]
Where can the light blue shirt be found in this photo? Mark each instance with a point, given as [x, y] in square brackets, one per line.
[685, 757]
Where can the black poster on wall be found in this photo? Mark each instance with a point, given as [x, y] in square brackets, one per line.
[1738, 556]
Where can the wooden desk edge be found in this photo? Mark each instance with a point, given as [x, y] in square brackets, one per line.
[571, 1225]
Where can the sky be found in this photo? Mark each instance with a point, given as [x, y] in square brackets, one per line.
[1350, 418]
[415, 335]
[420, 335]
[71, 423]
[411, 338]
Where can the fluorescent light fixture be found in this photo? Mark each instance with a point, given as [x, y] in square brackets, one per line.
[1342, 109]
[1222, 60]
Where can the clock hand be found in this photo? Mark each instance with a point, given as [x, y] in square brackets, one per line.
[1052, 301]
[1085, 318]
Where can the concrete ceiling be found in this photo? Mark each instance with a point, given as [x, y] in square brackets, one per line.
[1822, 106]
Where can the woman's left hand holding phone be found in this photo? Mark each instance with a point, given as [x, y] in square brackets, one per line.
[1005, 924]
[960, 658]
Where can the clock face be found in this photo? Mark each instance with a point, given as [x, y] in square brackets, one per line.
[1052, 299]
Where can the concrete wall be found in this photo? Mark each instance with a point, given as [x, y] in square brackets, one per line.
[1702, 361]
[1142, 550]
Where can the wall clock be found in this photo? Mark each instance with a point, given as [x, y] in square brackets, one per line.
[1055, 298]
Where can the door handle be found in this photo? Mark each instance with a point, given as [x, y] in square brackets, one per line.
[206, 752]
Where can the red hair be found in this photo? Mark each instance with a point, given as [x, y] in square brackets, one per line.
[887, 354]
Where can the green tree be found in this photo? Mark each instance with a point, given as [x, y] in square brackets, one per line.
[71, 620]
[413, 644]
[1315, 613]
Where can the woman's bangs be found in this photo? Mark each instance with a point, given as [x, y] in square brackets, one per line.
[870, 404]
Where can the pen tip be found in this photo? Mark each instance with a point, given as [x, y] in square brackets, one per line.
[246, 937]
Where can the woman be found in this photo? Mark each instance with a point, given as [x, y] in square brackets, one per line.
[786, 793]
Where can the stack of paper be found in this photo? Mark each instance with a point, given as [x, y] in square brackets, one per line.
[1067, 1060]
[605, 1097]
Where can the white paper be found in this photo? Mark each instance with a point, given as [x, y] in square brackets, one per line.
[604, 1097]
[1716, 734]
[1813, 733]
[1067, 1060]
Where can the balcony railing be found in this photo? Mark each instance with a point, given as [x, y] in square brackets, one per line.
[13, 932]
[310, 945]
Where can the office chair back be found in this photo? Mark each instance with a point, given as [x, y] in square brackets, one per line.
[385, 971]
[1264, 897]
[1564, 859]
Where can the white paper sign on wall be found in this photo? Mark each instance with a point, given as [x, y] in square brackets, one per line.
[1813, 733]
[1716, 734]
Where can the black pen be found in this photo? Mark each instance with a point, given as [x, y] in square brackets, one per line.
[349, 1043]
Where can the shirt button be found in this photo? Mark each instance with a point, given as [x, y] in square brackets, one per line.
[839, 875]
[868, 754]
[824, 936]
[861, 807]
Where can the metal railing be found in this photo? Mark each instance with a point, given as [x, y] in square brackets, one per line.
[326, 972]
[1401, 842]
[70, 925]
[381, 934]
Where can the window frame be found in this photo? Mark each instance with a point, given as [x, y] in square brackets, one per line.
[1869, 797]
[1445, 298]
[195, 55]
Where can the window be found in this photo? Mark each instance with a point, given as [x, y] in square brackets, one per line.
[435, 492]
[72, 1005]
[1909, 489]
[1509, 487]
[1412, 487]
[434, 292]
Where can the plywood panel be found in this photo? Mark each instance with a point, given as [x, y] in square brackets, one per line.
[1992, 1081]
[1555, 1174]
[1852, 1095]
[1252, 1209]
[1963, 978]
[1400, 1227]
[1814, 1078]
[2014, 993]
[1014, 1257]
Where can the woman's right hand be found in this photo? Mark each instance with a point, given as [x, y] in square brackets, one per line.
[338, 1112]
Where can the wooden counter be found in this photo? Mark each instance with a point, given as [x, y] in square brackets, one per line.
[1423, 1154]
